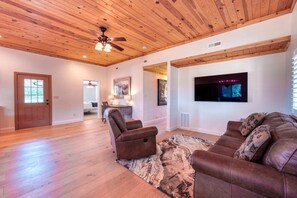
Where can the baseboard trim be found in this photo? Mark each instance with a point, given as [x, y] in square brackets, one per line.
[200, 130]
[7, 130]
[172, 128]
[67, 121]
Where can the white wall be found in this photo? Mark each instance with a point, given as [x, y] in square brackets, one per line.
[135, 71]
[273, 28]
[67, 84]
[173, 93]
[151, 110]
[266, 93]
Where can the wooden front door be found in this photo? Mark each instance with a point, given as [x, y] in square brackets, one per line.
[32, 100]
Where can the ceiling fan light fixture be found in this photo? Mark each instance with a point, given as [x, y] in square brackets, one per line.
[107, 50]
[99, 46]
[108, 46]
[104, 43]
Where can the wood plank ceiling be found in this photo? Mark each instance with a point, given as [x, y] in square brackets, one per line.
[260, 48]
[59, 27]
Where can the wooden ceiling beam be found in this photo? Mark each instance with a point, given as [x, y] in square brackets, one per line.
[255, 49]
[159, 68]
[292, 5]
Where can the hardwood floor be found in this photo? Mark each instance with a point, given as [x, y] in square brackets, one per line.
[72, 160]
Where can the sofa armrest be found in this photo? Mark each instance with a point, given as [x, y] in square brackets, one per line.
[139, 133]
[234, 125]
[133, 124]
[252, 176]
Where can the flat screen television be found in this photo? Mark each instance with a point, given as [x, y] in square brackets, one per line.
[222, 88]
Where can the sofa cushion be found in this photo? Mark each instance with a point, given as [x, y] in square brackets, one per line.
[283, 156]
[251, 122]
[222, 150]
[276, 119]
[236, 134]
[282, 153]
[230, 142]
[255, 144]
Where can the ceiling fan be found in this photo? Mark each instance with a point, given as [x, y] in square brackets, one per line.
[90, 85]
[105, 43]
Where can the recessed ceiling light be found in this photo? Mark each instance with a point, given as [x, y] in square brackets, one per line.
[84, 56]
[0, 36]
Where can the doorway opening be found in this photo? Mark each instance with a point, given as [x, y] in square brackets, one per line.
[155, 95]
[90, 99]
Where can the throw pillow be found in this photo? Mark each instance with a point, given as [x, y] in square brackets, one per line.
[255, 144]
[251, 122]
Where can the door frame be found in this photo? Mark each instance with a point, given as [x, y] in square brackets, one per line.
[16, 110]
[99, 98]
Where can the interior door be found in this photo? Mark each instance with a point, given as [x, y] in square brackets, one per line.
[32, 100]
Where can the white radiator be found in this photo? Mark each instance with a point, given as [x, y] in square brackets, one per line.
[184, 119]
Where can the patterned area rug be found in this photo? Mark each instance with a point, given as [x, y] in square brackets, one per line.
[170, 170]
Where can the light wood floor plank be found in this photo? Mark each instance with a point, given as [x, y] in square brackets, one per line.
[72, 160]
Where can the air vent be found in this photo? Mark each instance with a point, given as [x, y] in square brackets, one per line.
[184, 119]
[214, 44]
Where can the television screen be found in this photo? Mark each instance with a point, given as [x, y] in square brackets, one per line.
[222, 88]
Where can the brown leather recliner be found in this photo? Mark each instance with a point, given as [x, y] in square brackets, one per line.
[130, 139]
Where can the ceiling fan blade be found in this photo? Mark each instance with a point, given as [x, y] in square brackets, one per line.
[118, 39]
[116, 46]
[95, 33]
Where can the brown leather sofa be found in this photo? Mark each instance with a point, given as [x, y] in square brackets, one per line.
[128, 138]
[218, 174]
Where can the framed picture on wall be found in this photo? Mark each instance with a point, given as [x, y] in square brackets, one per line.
[162, 92]
[122, 87]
